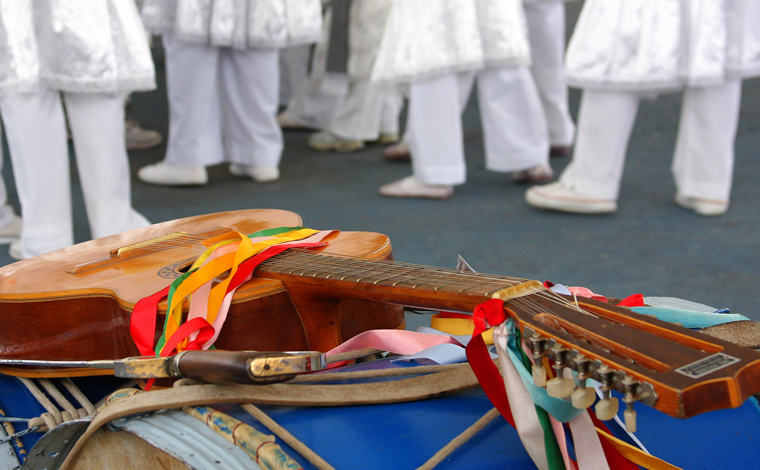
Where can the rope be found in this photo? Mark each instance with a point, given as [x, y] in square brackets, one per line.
[54, 416]
[287, 437]
[460, 440]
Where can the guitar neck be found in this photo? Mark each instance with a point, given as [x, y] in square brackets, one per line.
[387, 281]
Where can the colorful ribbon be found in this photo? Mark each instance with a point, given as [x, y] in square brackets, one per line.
[209, 302]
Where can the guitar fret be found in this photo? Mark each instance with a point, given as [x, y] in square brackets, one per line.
[381, 272]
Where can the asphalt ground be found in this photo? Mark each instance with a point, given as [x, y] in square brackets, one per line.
[648, 246]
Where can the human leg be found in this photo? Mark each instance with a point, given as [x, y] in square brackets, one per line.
[704, 156]
[437, 145]
[36, 133]
[195, 132]
[546, 33]
[309, 106]
[591, 182]
[514, 127]
[97, 128]
[249, 81]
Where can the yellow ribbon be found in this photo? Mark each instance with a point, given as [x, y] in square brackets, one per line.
[212, 269]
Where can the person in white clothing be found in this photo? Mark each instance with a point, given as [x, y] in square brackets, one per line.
[88, 55]
[222, 83]
[623, 50]
[310, 104]
[370, 111]
[487, 41]
[546, 33]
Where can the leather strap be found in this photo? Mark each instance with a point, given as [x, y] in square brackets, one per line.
[404, 390]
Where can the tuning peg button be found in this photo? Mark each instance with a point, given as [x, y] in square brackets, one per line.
[583, 397]
[559, 387]
[607, 408]
[630, 420]
[539, 375]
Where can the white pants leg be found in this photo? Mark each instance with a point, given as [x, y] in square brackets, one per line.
[6, 211]
[97, 130]
[546, 33]
[392, 104]
[703, 162]
[36, 132]
[514, 128]
[367, 111]
[249, 82]
[195, 130]
[308, 105]
[437, 142]
[605, 122]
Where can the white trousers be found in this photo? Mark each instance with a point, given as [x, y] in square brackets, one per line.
[308, 105]
[704, 154]
[368, 111]
[514, 128]
[222, 105]
[6, 211]
[546, 33]
[36, 133]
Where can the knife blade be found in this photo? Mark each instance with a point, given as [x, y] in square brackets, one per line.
[212, 366]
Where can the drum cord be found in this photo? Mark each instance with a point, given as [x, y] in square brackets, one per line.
[55, 416]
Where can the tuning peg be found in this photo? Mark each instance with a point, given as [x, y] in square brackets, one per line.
[559, 386]
[539, 375]
[608, 406]
[538, 352]
[631, 396]
[583, 397]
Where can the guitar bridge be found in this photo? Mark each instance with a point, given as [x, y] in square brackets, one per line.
[170, 243]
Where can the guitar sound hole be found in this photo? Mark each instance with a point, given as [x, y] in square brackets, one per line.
[185, 267]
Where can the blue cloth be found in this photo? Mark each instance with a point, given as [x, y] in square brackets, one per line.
[690, 318]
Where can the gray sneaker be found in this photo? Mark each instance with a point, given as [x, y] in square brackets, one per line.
[138, 138]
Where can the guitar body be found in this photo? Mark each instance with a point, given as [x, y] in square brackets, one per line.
[75, 303]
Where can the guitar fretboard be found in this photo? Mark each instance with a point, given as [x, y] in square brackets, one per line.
[386, 273]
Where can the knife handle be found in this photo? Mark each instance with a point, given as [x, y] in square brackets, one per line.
[245, 366]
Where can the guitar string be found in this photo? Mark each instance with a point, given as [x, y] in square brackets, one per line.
[188, 244]
[180, 244]
[395, 268]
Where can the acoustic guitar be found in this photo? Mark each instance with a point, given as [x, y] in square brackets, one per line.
[75, 304]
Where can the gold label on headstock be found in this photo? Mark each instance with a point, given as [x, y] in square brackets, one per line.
[707, 365]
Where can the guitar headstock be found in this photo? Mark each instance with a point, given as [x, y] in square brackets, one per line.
[670, 368]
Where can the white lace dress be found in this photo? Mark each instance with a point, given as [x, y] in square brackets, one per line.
[663, 44]
[427, 38]
[75, 45]
[240, 24]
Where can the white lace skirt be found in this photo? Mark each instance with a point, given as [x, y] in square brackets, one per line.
[655, 45]
[73, 45]
[241, 24]
[427, 38]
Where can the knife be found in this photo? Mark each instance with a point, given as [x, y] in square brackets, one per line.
[221, 367]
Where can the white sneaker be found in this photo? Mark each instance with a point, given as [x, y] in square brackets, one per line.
[410, 187]
[706, 207]
[15, 250]
[325, 141]
[538, 174]
[558, 197]
[288, 122]
[259, 174]
[11, 231]
[387, 138]
[165, 174]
